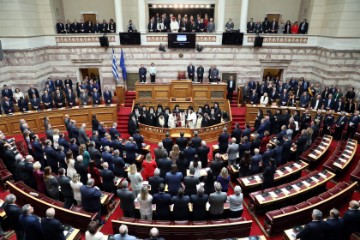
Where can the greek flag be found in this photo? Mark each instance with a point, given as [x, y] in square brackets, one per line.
[114, 67]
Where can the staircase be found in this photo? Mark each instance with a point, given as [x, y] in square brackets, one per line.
[238, 113]
[124, 114]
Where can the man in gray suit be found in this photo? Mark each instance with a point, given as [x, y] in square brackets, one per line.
[233, 152]
[126, 199]
[83, 138]
[160, 152]
[94, 154]
[216, 201]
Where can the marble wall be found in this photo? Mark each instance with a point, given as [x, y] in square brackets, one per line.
[21, 68]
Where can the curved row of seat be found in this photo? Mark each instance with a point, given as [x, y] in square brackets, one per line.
[222, 228]
[290, 216]
[342, 157]
[317, 149]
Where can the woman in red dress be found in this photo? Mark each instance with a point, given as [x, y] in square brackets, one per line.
[295, 28]
[148, 167]
[95, 173]
[264, 142]
[39, 177]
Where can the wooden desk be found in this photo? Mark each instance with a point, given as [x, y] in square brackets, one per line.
[261, 200]
[290, 234]
[321, 149]
[74, 235]
[9, 124]
[203, 172]
[346, 156]
[2, 211]
[291, 170]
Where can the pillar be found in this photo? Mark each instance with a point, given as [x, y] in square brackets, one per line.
[118, 16]
[220, 23]
[244, 15]
[141, 13]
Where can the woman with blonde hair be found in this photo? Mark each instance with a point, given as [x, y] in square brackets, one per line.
[145, 201]
[135, 179]
[70, 162]
[56, 138]
[39, 177]
[85, 154]
[148, 167]
[51, 183]
[174, 153]
[224, 179]
[76, 184]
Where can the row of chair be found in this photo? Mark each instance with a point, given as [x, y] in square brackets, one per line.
[290, 216]
[342, 156]
[317, 149]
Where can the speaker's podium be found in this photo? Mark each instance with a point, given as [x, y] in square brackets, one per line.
[183, 93]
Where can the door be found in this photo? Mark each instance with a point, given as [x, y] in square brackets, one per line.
[272, 16]
[88, 17]
[91, 73]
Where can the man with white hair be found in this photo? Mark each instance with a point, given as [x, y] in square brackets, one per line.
[81, 169]
[154, 234]
[314, 229]
[352, 218]
[130, 147]
[12, 213]
[52, 228]
[107, 178]
[108, 157]
[160, 152]
[91, 196]
[113, 131]
[236, 203]
[155, 181]
[83, 137]
[29, 169]
[123, 234]
[30, 223]
[216, 201]
[232, 152]
[203, 153]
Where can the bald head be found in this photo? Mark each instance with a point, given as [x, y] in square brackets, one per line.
[50, 213]
[154, 232]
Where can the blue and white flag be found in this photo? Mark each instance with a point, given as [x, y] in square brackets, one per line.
[114, 67]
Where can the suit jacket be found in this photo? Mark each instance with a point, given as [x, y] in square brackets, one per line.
[119, 165]
[200, 71]
[164, 164]
[181, 142]
[163, 202]
[334, 229]
[181, 208]
[223, 140]
[95, 155]
[109, 158]
[107, 97]
[90, 198]
[70, 99]
[196, 142]
[190, 183]
[7, 93]
[66, 190]
[314, 230]
[191, 71]
[31, 226]
[35, 103]
[168, 144]
[303, 27]
[231, 88]
[139, 141]
[250, 27]
[8, 107]
[108, 180]
[199, 206]
[53, 229]
[155, 182]
[13, 212]
[203, 152]
[96, 98]
[351, 221]
[216, 201]
[126, 199]
[233, 151]
[153, 27]
[286, 150]
[130, 149]
[81, 169]
[329, 104]
[47, 100]
[82, 138]
[319, 104]
[51, 157]
[32, 91]
[189, 154]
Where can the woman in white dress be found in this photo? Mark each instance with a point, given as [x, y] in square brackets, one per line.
[18, 94]
[145, 201]
[56, 138]
[264, 100]
[76, 185]
[135, 179]
[92, 232]
[196, 165]
[70, 161]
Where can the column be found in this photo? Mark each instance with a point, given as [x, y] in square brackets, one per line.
[141, 12]
[244, 15]
[118, 16]
[220, 22]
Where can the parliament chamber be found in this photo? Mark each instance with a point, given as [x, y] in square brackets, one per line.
[203, 119]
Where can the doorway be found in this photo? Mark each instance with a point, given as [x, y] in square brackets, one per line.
[89, 16]
[271, 16]
[90, 74]
[273, 73]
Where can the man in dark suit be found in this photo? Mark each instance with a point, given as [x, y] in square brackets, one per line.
[107, 96]
[340, 125]
[236, 133]
[74, 130]
[168, 142]
[278, 153]
[94, 153]
[60, 28]
[300, 144]
[181, 141]
[164, 164]
[250, 26]
[96, 98]
[74, 27]
[286, 149]
[107, 178]
[191, 71]
[303, 27]
[202, 153]
[200, 73]
[8, 105]
[139, 140]
[53, 229]
[32, 91]
[113, 131]
[126, 199]
[51, 156]
[199, 202]
[160, 152]
[90, 196]
[255, 162]
[81, 169]
[216, 201]
[142, 73]
[315, 229]
[268, 174]
[6, 92]
[266, 25]
[155, 181]
[70, 98]
[216, 165]
[190, 182]
[35, 102]
[82, 136]
[59, 99]
[329, 103]
[30, 224]
[231, 86]
[130, 147]
[353, 124]
[268, 154]
[152, 25]
[162, 201]
[352, 219]
[46, 98]
[223, 140]
[328, 122]
[66, 190]
[13, 213]
[189, 154]
[317, 103]
[335, 226]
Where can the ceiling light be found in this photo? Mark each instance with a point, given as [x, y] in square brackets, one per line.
[208, 6]
[175, 6]
[181, 6]
[186, 5]
[154, 6]
[165, 6]
[202, 6]
[197, 6]
[191, 6]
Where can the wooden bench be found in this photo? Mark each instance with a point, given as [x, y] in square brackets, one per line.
[317, 149]
[293, 215]
[287, 172]
[293, 192]
[343, 157]
[78, 219]
[176, 230]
